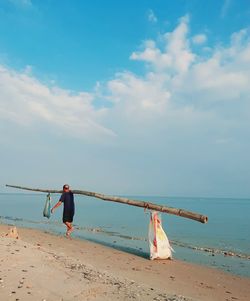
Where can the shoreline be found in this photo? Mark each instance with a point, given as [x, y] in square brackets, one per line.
[57, 267]
[220, 256]
[225, 247]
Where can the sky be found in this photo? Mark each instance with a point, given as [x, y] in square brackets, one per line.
[128, 97]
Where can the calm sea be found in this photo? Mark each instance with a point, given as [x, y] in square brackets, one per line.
[126, 227]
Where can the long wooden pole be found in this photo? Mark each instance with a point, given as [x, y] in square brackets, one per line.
[175, 211]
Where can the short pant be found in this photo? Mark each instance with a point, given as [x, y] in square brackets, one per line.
[68, 218]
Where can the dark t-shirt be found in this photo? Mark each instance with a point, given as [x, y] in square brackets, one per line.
[68, 201]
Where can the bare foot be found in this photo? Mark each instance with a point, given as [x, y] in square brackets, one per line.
[69, 231]
[68, 235]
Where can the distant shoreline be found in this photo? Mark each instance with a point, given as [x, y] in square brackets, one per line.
[15, 191]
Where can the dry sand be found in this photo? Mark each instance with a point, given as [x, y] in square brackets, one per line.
[42, 266]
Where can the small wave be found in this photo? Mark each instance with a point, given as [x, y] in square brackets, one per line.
[102, 231]
[110, 233]
[213, 251]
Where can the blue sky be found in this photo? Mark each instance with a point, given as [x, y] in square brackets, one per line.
[126, 97]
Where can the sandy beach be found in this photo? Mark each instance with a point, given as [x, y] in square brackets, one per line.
[42, 266]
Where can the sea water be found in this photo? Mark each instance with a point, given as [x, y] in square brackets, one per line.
[224, 242]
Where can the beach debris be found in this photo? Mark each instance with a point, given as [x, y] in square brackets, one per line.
[229, 253]
[13, 233]
[129, 288]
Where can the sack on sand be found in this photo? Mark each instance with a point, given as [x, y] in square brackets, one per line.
[158, 241]
[47, 207]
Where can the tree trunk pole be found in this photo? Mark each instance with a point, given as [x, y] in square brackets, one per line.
[144, 204]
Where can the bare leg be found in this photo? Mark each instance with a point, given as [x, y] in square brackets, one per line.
[69, 228]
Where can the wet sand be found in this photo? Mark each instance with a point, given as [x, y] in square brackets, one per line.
[42, 266]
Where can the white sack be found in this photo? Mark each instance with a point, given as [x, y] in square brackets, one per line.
[158, 241]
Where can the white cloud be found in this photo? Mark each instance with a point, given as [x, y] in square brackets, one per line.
[152, 17]
[179, 84]
[199, 39]
[26, 101]
[141, 97]
[184, 121]
[175, 56]
[185, 90]
[222, 75]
